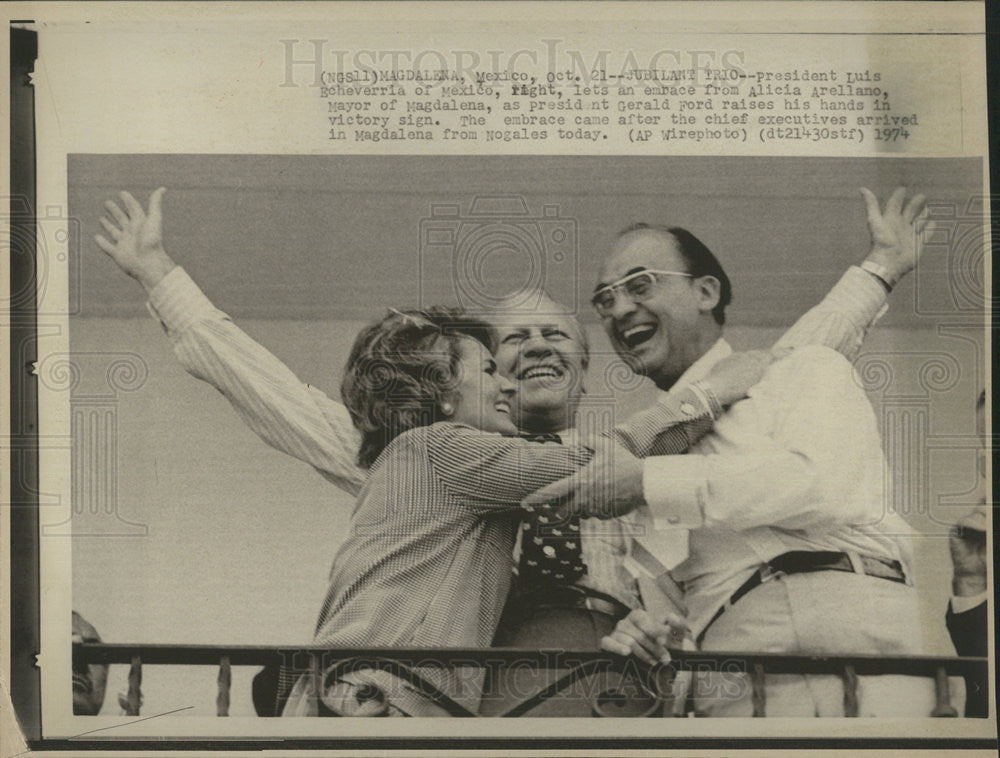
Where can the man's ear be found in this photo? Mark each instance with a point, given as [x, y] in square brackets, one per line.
[709, 290]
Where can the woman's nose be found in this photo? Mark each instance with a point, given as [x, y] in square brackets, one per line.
[505, 385]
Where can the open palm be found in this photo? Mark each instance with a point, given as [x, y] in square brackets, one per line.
[895, 232]
[135, 238]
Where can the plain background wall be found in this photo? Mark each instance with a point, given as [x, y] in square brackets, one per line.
[239, 538]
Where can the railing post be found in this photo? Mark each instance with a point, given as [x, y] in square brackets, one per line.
[134, 700]
[850, 677]
[942, 695]
[757, 695]
[315, 679]
[225, 680]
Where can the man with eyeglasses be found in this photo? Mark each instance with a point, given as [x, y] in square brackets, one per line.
[775, 525]
[840, 321]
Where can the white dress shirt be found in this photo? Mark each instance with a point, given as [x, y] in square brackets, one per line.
[840, 321]
[798, 465]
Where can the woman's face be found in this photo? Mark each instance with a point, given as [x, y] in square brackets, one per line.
[481, 396]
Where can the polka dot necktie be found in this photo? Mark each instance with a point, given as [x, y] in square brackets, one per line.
[550, 545]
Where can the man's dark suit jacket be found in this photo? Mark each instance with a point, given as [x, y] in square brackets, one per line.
[968, 634]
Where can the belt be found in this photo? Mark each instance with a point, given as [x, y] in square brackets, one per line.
[573, 596]
[807, 562]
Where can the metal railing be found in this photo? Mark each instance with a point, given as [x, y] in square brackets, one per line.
[572, 666]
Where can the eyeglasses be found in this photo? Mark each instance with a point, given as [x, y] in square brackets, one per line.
[637, 287]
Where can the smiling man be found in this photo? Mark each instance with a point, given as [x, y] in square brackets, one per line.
[673, 268]
[791, 549]
[547, 356]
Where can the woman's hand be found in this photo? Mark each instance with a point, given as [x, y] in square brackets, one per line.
[136, 238]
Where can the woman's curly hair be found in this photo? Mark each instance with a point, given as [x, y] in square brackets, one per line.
[395, 379]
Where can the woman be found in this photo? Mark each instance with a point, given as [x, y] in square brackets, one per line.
[434, 525]
[428, 561]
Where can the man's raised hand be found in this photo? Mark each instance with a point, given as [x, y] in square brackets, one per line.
[135, 238]
[896, 232]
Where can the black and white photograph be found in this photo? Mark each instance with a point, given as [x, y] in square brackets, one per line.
[445, 420]
[351, 310]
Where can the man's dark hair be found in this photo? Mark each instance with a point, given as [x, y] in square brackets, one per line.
[395, 378]
[699, 259]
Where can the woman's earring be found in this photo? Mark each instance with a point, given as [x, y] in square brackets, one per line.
[447, 409]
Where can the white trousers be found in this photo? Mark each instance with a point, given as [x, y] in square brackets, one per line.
[826, 612]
